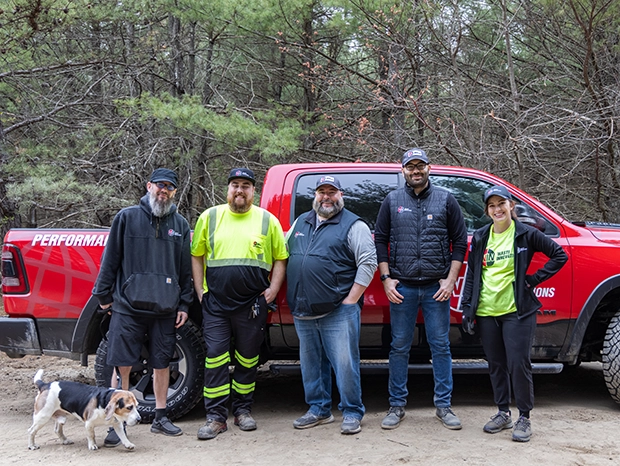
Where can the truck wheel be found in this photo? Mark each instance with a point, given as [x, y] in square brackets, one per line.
[611, 358]
[186, 375]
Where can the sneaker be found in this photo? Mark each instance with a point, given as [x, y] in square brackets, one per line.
[166, 427]
[350, 425]
[112, 440]
[499, 422]
[245, 421]
[310, 420]
[522, 430]
[393, 418]
[448, 418]
[211, 429]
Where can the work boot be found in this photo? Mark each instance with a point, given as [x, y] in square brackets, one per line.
[245, 421]
[211, 429]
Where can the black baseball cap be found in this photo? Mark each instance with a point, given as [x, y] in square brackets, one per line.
[164, 174]
[497, 190]
[414, 154]
[328, 179]
[244, 173]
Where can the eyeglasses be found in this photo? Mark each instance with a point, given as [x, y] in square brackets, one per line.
[169, 187]
[412, 166]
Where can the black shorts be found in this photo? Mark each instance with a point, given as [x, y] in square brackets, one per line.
[127, 334]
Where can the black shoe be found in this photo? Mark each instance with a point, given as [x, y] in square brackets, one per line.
[112, 440]
[166, 427]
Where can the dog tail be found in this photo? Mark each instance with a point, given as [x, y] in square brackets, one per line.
[38, 379]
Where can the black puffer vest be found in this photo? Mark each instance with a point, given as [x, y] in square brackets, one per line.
[419, 243]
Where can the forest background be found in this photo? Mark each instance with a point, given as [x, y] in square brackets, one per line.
[95, 94]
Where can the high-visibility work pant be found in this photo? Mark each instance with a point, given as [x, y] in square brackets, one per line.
[246, 335]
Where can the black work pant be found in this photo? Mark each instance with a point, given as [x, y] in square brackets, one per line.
[223, 334]
[507, 341]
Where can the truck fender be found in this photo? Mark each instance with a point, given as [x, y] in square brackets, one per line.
[87, 332]
[572, 346]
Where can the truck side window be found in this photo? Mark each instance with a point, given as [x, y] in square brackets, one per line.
[363, 193]
[470, 195]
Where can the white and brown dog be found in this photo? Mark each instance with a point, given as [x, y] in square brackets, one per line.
[95, 406]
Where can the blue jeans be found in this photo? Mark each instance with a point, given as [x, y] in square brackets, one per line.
[437, 324]
[332, 342]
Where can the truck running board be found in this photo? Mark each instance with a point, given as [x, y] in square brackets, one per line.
[466, 367]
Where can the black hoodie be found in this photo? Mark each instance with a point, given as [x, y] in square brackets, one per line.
[146, 264]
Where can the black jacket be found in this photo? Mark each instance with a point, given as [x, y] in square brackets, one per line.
[528, 240]
[146, 265]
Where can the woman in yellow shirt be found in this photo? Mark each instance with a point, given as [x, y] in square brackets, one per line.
[499, 295]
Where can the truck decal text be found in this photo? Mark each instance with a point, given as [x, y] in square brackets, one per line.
[71, 240]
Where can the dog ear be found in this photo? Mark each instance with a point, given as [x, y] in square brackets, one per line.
[111, 407]
[109, 411]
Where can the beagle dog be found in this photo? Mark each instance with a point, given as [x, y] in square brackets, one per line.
[95, 406]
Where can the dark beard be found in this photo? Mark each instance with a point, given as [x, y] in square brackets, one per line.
[328, 213]
[160, 208]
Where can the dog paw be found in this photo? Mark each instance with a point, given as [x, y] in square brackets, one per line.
[33, 447]
[129, 446]
[67, 442]
[93, 447]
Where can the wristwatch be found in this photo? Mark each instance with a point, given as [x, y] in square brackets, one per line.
[385, 276]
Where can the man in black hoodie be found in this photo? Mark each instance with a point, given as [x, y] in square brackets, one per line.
[145, 283]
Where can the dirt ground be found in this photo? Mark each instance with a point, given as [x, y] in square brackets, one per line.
[575, 423]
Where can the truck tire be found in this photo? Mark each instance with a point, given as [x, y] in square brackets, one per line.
[186, 375]
[611, 358]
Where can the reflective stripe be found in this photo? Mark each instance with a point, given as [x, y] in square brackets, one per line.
[243, 388]
[212, 363]
[264, 231]
[245, 362]
[215, 392]
[243, 262]
[212, 223]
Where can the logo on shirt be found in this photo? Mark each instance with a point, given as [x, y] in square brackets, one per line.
[520, 250]
[491, 257]
[171, 232]
[402, 209]
[299, 233]
[488, 259]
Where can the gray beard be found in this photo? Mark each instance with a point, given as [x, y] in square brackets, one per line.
[159, 208]
[328, 213]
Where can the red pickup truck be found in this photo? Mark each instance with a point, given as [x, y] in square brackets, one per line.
[47, 278]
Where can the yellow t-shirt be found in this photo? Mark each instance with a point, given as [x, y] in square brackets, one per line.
[239, 251]
[497, 295]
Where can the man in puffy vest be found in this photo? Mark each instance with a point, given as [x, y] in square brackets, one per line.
[238, 265]
[421, 242]
[332, 261]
